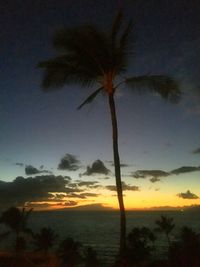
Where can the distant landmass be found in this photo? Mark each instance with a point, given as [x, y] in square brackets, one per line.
[91, 207]
[101, 207]
[182, 208]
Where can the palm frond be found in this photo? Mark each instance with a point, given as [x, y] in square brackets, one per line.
[91, 97]
[65, 69]
[116, 25]
[123, 49]
[87, 43]
[165, 86]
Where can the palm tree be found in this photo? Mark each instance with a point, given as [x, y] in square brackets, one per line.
[90, 257]
[87, 56]
[17, 219]
[69, 252]
[45, 239]
[165, 224]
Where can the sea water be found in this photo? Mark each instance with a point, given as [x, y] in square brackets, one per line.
[100, 229]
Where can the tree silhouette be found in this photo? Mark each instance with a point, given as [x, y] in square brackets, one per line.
[90, 257]
[88, 56]
[45, 239]
[69, 252]
[17, 219]
[165, 225]
[186, 251]
[140, 245]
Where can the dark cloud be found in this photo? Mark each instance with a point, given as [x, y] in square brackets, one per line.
[154, 179]
[97, 167]
[34, 189]
[125, 187]
[82, 195]
[85, 195]
[20, 164]
[87, 183]
[70, 203]
[185, 169]
[196, 151]
[187, 195]
[149, 173]
[122, 165]
[30, 170]
[69, 162]
[156, 174]
[104, 178]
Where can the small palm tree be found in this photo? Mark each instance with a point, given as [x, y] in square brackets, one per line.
[140, 244]
[69, 252]
[87, 56]
[90, 257]
[186, 250]
[17, 219]
[165, 225]
[45, 239]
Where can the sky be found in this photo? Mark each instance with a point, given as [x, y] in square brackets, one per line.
[54, 156]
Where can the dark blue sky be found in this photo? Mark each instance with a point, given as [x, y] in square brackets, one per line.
[39, 128]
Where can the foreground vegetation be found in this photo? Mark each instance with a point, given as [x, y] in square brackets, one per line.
[41, 249]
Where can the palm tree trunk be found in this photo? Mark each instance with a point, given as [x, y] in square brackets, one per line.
[118, 175]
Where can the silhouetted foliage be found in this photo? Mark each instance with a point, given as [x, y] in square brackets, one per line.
[186, 251]
[165, 225]
[70, 252]
[45, 239]
[90, 257]
[140, 244]
[17, 219]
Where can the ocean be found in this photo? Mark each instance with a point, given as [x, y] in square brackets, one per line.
[100, 229]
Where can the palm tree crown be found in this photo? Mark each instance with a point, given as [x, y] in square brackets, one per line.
[165, 224]
[89, 56]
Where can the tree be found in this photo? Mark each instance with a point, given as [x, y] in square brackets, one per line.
[69, 252]
[186, 250]
[88, 56]
[17, 219]
[45, 239]
[165, 224]
[140, 244]
[90, 257]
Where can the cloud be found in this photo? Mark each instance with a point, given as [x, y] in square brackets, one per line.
[30, 170]
[196, 151]
[87, 183]
[122, 165]
[154, 179]
[70, 203]
[20, 164]
[125, 187]
[34, 189]
[185, 169]
[69, 162]
[82, 195]
[96, 206]
[156, 174]
[149, 173]
[97, 167]
[187, 195]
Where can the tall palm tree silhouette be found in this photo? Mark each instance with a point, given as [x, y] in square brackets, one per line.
[88, 56]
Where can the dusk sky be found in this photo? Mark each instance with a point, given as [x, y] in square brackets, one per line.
[159, 142]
